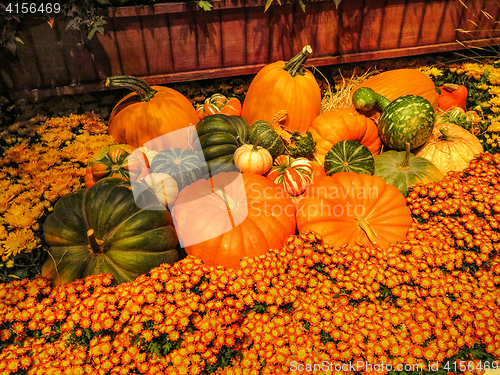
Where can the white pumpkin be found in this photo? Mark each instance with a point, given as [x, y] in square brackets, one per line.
[450, 148]
[164, 186]
[254, 159]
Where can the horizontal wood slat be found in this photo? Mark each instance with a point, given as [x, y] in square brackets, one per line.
[176, 42]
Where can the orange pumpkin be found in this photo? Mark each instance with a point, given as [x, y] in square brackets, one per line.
[145, 116]
[232, 216]
[284, 86]
[342, 124]
[398, 82]
[350, 208]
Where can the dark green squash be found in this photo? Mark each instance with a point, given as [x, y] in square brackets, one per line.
[218, 137]
[269, 138]
[401, 169]
[349, 156]
[115, 227]
[409, 118]
[184, 166]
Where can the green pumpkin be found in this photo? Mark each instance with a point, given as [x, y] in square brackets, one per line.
[269, 139]
[409, 118]
[183, 165]
[219, 136]
[402, 168]
[349, 156]
[115, 227]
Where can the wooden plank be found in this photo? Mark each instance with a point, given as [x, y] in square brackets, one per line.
[281, 42]
[157, 44]
[183, 39]
[470, 20]
[412, 23]
[76, 55]
[391, 33]
[233, 32]
[451, 19]
[250, 69]
[351, 19]
[208, 39]
[432, 23]
[105, 50]
[22, 71]
[488, 22]
[51, 64]
[371, 27]
[327, 29]
[128, 31]
[258, 35]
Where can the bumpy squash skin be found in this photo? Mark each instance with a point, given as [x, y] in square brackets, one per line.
[418, 170]
[409, 118]
[131, 240]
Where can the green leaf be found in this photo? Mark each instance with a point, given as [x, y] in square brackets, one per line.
[17, 39]
[337, 2]
[205, 5]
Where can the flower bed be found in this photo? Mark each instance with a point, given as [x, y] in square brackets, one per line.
[431, 298]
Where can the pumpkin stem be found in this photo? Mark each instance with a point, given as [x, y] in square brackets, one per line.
[139, 86]
[255, 144]
[404, 165]
[370, 234]
[296, 64]
[94, 245]
[445, 135]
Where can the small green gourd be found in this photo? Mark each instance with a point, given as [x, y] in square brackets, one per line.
[409, 118]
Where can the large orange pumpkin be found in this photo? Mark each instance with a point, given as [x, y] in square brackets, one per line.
[150, 112]
[231, 216]
[350, 208]
[284, 86]
[342, 124]
[398, 82]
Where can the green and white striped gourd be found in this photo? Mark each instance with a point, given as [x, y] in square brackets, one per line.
[409, 118]
[182, 165]
[269, 138]
[349, 156]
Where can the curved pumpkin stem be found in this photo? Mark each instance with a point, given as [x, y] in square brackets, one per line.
[296, 64]
[404, 165]
[370, 234]
[139, 86]
[94, 244]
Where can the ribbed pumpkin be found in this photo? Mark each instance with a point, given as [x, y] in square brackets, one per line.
[294, 174]
[264, 134]
[115, 227]
[145, 116]
[217, 138]
[284, 86]
[218, 103]
[350, 208]
[232, 216]
[182, 165]
[349, 156]
[401, 169]
[450, 148]
[398, 82]
[123, 161]
[253, 158]
[341, 124]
